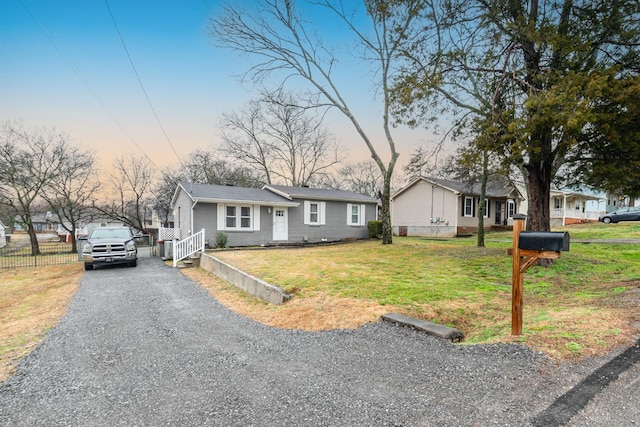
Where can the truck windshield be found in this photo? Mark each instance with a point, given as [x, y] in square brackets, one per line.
[104, 233]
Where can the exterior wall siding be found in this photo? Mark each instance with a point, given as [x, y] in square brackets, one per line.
[335, 227]
[182, 213]
[413, 210]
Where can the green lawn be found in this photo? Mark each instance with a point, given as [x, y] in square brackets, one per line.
[576, 306]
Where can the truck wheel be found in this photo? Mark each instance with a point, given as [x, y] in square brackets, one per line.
[88, 267]
[133, 263]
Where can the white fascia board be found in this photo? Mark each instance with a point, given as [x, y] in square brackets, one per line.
[247, 202]
[176, 192]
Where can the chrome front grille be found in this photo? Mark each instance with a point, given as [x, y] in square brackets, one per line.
[108, 249]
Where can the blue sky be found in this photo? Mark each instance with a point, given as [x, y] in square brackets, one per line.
[64, 66]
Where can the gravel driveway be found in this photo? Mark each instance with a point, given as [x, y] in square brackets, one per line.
[146, 346]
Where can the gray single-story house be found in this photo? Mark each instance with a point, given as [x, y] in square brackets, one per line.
[273, 214]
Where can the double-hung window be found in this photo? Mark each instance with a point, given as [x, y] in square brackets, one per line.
[236, 217]
[557, 203]
[511, 208]
[487, 207]
[355, 214]
[314, 212]
[468, 206]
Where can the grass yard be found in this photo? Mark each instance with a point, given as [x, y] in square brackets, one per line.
[587, 303]
[32, 300]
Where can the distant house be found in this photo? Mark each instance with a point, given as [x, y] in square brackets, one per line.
[570, 206]
[43, 222]
[85, 228]
[445, 208]
[273, 214]
[3, 235]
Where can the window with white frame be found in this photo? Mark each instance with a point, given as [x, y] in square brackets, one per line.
[511, 208]
[557, 203]
[237, 217]
[355, 214]
[468, 207]
[487, 207]
[314, 212]
[245, 217]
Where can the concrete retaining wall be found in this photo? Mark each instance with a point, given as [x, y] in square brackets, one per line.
[246, 282]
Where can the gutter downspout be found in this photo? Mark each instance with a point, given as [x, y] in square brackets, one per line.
[195, 202]
[564, 209]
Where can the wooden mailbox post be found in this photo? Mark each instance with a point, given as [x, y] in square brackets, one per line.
[528, 248]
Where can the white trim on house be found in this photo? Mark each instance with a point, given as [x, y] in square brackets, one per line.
[242, 219]
[359, 214]
[280, 224]
[315, 216]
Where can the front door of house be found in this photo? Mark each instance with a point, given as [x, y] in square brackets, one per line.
[280, 224]
[498, 212]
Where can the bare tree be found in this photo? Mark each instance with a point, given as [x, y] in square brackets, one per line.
[131, 182]
[277, 34]
[29, 159]
[362, 177]
[206, 167]
[276, 135]
[71, 191]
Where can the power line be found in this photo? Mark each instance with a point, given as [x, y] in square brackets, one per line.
[124, 45]
[49, 34]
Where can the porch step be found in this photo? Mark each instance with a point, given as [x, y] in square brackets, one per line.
[192, 261]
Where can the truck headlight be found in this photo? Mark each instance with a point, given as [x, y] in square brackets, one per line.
[131, 246]
[86, 249]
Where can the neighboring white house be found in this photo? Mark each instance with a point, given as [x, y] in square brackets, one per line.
[3, 236]
[570, 206]
[445, 208]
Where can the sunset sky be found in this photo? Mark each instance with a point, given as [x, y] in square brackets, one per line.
[65, 66]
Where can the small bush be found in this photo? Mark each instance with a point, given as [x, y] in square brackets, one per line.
[375, 229]
[221, 240]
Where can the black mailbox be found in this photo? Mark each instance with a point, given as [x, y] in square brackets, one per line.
[544, 241]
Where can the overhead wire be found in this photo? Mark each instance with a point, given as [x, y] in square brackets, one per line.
[144, 91]
[76, 70]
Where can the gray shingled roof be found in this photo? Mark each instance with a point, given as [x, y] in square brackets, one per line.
[228, 193]
[499, 187]
[321, 194]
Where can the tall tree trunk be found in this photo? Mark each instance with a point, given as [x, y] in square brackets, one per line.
[33, 238]
[483, 197]
[387, 231]
[539, 186]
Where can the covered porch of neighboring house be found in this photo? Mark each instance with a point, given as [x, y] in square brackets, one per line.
[575, 208]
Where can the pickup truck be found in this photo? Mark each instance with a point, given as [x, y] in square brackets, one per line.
[110, 245]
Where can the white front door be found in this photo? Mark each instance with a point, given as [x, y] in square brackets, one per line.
[280, 224]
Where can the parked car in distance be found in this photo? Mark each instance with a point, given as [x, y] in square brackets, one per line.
[110, 245]
[624, 214]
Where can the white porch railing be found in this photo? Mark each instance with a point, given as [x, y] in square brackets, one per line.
[190, 245]
[574, 213]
